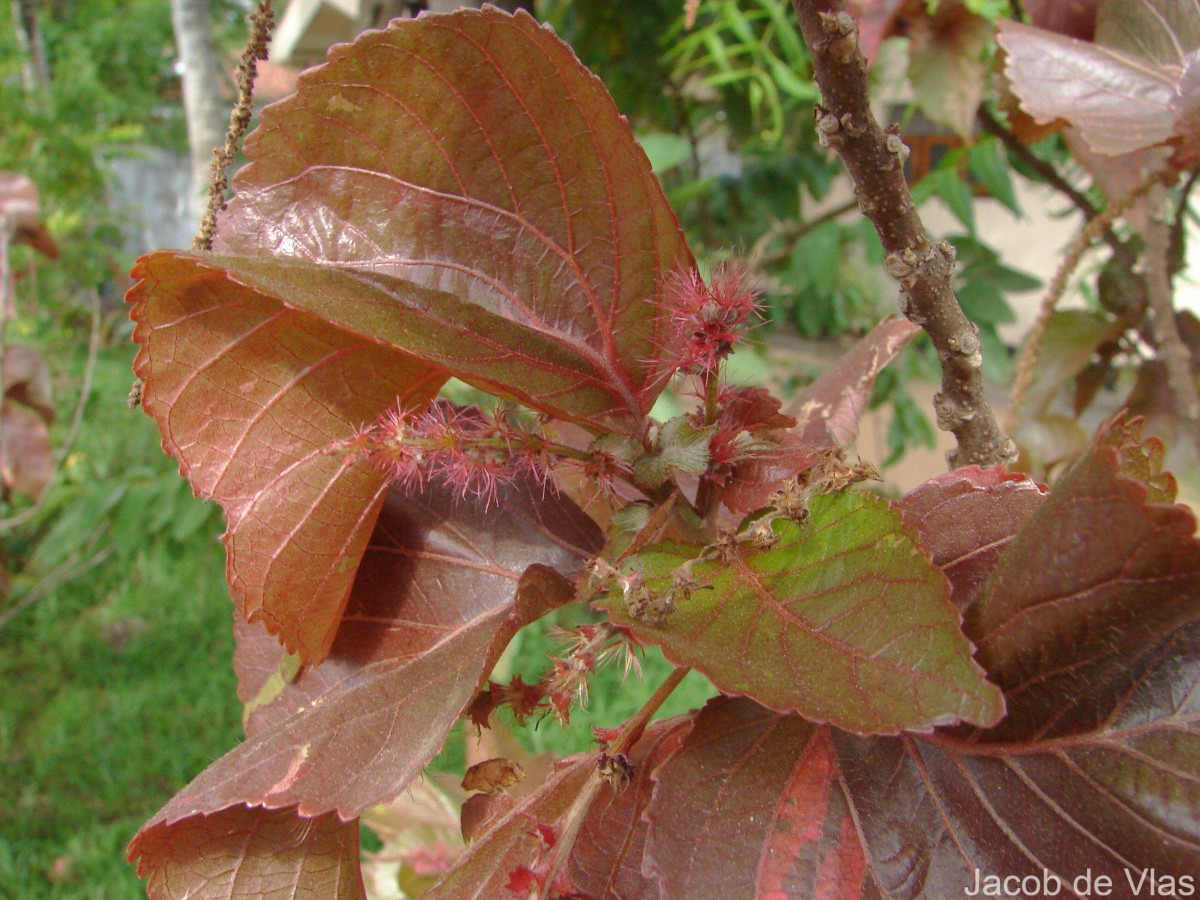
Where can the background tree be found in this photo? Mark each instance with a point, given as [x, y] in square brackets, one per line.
[202, 79]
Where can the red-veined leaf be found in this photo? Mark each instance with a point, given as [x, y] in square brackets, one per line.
[827, 414]
[513, 840]
[441, 589]
[755, 803]
[606, 860]
[1162, 32]
[252, 852]
[748, 806]
[843, 619]
[827, 411]
[966, 518]
[1105, 571]
[1121, 104]
[251, 397]
[491, 350]
[1124, 90]
[472, 154]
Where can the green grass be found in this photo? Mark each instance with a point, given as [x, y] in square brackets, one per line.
[118, 685]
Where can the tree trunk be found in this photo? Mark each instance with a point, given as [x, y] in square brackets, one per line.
[35, 71]
[206, 114]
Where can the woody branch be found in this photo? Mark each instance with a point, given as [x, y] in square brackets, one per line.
[875, 157]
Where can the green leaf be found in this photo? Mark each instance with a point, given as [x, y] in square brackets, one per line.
[815, 259]
[988, 163]
[844, 620]
[665, 151]
[790, 82]
[983, 303]
[953, 190]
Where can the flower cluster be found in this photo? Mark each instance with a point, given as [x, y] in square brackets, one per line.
[462, 447]
[745, 417]
[706, 320]
[587, 648]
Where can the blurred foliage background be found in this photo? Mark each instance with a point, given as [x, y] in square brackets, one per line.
[115, 638]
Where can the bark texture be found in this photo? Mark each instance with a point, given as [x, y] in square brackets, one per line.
[875, 157]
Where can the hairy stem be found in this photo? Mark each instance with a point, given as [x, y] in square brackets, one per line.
[875, 160]
[262, 20]
[1172, 350]
[1032, 348]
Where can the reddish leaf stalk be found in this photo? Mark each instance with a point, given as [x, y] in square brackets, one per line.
[874, 157]
[1027, 361]
[1174, 353]
[630, 732]
[1051, 176]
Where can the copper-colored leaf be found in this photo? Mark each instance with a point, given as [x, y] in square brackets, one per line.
[433, 566]
[843, 619]
[606, 860]
[455, 186]
[1098, 578]
[472, 155]
[441, 589]
[514, 840]
[250, 397]
[828, 409]
[966, 518]
[1074, 18]
[756, 479]
[1122, 91]
[20, 214]
[25, 459]
[1187, 113]
[26, 409]
[27, 380]
[492, 776]
[1160, 32]
[757, 804]
[749, 807]
[948, 64]
[827, 414]
[876, 22]
[251, 852]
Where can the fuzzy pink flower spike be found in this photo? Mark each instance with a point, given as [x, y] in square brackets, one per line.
[707, 320]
